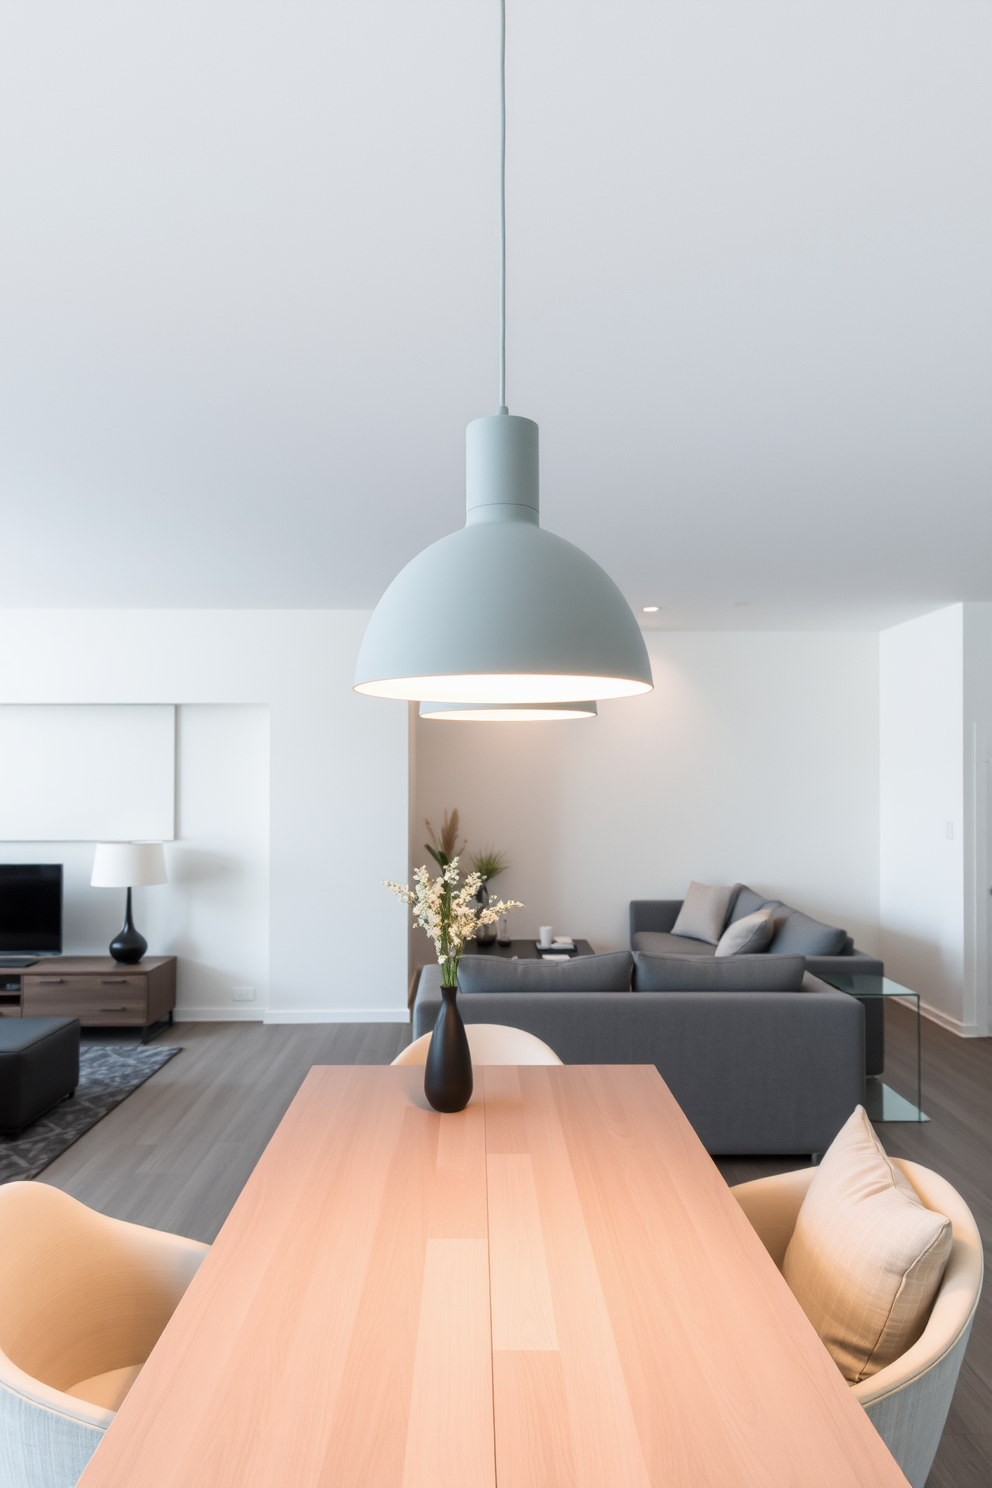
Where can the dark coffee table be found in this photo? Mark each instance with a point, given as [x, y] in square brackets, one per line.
[521, 950]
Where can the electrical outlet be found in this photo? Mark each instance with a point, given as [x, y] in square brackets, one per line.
[243, 994]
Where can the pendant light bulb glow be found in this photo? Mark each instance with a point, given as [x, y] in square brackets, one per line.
[527, 617]
[507, 712]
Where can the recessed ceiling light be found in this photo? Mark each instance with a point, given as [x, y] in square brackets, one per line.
[650, 609]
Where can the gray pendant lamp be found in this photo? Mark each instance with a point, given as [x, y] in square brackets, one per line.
[552, 626]
[507, 712]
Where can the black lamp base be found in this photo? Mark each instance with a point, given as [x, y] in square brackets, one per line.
[129, 945]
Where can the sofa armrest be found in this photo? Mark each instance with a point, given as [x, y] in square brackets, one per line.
[855, 961]
[841, 967]
[653, 914]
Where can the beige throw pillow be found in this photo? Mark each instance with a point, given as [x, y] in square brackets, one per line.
[867, 1256]
[747, 936]
[704, 912]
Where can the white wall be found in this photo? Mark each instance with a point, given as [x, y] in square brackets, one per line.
[936, 727]
[755, 759]
[337, 796]
[977, 834]
[921, 815]
[87, 774]
[214, 911]
[214, 914]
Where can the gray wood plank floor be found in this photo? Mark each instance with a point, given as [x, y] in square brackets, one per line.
[177, 1153]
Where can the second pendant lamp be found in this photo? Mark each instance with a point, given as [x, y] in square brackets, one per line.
[556, 627]
[508, 712]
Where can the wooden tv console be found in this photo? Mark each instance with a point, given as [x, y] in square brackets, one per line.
[95, 989]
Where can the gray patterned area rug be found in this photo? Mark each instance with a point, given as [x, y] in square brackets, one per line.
[108, 1073]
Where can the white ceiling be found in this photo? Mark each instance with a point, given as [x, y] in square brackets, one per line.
[247, 296]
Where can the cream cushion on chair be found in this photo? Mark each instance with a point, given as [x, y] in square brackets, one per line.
[866, 1257]
[489, 1043]
[83, 1300]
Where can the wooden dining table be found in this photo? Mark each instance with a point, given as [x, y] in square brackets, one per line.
[554, 1288]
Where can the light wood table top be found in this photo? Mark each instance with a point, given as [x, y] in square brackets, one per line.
[554, 1287]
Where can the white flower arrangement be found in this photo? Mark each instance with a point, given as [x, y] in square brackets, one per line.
[448, 912]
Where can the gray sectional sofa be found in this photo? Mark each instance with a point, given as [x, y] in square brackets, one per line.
[762, 1056]
[828, 950]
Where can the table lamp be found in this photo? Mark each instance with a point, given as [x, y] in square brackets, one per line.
[126, 865]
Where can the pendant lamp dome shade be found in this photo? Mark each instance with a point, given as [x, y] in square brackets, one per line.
[502, 611]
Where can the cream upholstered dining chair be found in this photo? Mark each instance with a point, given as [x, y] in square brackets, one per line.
[907, 1401]
[489, 1043]
[83, 1299]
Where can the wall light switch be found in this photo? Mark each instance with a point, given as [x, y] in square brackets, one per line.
[243, 994]
[949, 831]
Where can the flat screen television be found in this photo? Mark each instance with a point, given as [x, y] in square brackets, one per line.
[30, 909]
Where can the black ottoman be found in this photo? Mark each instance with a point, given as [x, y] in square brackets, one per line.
[39, 1065]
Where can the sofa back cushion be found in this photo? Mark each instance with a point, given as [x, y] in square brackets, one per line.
[800, 935]
[746, 903]
[709, 974]
[866, 1257]
[705, 911]
[609, 973]
[748, 936]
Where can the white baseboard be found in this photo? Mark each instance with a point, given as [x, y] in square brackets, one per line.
[336, 1015]
[252, 1014]
[246, 1014]
[953, 1025]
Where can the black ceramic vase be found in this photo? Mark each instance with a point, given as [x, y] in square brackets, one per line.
[448, 1074]
[128, 945]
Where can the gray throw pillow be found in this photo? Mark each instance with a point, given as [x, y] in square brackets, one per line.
[707, 974]
[609, 973]
[704, 912]
[748, 936]
[800, 935]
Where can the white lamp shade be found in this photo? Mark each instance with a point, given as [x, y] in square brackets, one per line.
[502, 611]
[126, 865]
[507, 712]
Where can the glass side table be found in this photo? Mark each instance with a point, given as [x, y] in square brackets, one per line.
[882, 1102]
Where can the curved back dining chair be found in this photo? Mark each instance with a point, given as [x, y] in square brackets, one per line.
[83, 1300]
[489, 1043]
[907, 1401]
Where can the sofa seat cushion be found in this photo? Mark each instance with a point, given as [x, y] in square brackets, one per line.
[609, 973]
[705, 911]
[867, 1256]
[749, 936]
[710, 974]
[798, 934]
[663, 943]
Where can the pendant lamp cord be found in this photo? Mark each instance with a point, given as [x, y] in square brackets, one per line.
[502, 207]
